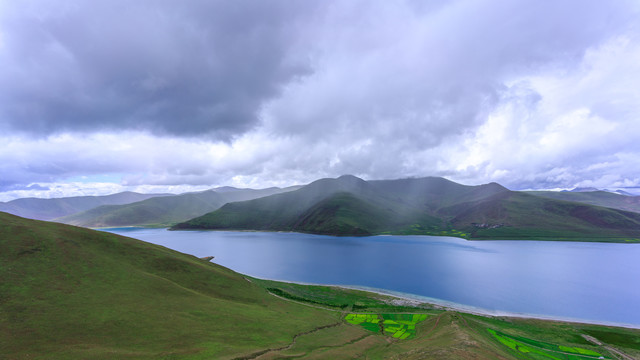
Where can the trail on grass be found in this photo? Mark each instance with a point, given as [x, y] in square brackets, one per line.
[305, 304]
[287, 347]
[610, 348]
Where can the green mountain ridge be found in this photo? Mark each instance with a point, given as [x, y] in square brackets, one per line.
[516, 215]
[48, 209]
[431, 206]
[164, 211]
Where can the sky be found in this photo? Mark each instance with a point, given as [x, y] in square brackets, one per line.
[103, 96]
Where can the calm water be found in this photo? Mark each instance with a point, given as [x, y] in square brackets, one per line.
[565, 280]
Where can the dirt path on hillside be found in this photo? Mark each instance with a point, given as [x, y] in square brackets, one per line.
[610, 348]
[290, 345]
[434, 327]
[305, 304]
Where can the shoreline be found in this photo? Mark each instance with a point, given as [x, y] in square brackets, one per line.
[480, 239]
[415, 300]
[447, 305]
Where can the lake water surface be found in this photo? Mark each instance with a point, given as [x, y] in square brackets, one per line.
[594, 282]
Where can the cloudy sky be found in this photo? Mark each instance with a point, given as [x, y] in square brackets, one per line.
[103, 96]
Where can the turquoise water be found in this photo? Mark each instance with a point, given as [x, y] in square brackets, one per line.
[596, 282]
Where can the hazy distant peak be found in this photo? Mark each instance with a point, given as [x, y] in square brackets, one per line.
[592, 189]
[584, 189]
[341, 179]
[495, 185]
[224, 189]
[350, 178]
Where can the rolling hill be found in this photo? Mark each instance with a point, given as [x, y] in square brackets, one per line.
[75, 293]
[164, 211]
[432, 206]
[47, 209]
[69, 292]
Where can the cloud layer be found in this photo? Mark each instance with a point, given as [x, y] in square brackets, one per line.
[159, 94]
[169, 67]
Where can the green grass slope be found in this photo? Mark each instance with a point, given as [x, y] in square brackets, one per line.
[163, 211]
[342, 213]
[47, 209]
[69, 292]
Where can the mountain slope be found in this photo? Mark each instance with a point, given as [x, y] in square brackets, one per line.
[599, 198]
[166, 210]
[516, 215]
[433, 193]
[352, 206]
[347, 206]
[47, 209]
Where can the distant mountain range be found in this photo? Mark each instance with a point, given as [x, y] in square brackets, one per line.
[130, 208]
[48, 209]
[351, 206]
[592, 189]
[165, 210]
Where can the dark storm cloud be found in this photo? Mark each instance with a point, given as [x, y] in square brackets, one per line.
[171, 67]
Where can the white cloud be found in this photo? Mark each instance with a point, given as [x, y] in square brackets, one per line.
[561, 128]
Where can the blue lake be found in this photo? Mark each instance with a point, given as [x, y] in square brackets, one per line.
[593, 282]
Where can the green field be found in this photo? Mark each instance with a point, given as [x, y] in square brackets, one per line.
[399, 326]
[402, 326]
[369, 322]
[537, 349]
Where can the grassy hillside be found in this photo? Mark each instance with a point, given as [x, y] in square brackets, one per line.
[47, 209]
[164, 211]
[74, 293]
[429, 206]
[69, 292]
[599, 198]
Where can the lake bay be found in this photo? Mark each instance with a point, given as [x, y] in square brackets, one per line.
[595, 282]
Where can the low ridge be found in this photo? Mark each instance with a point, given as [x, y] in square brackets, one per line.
[164, 211]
